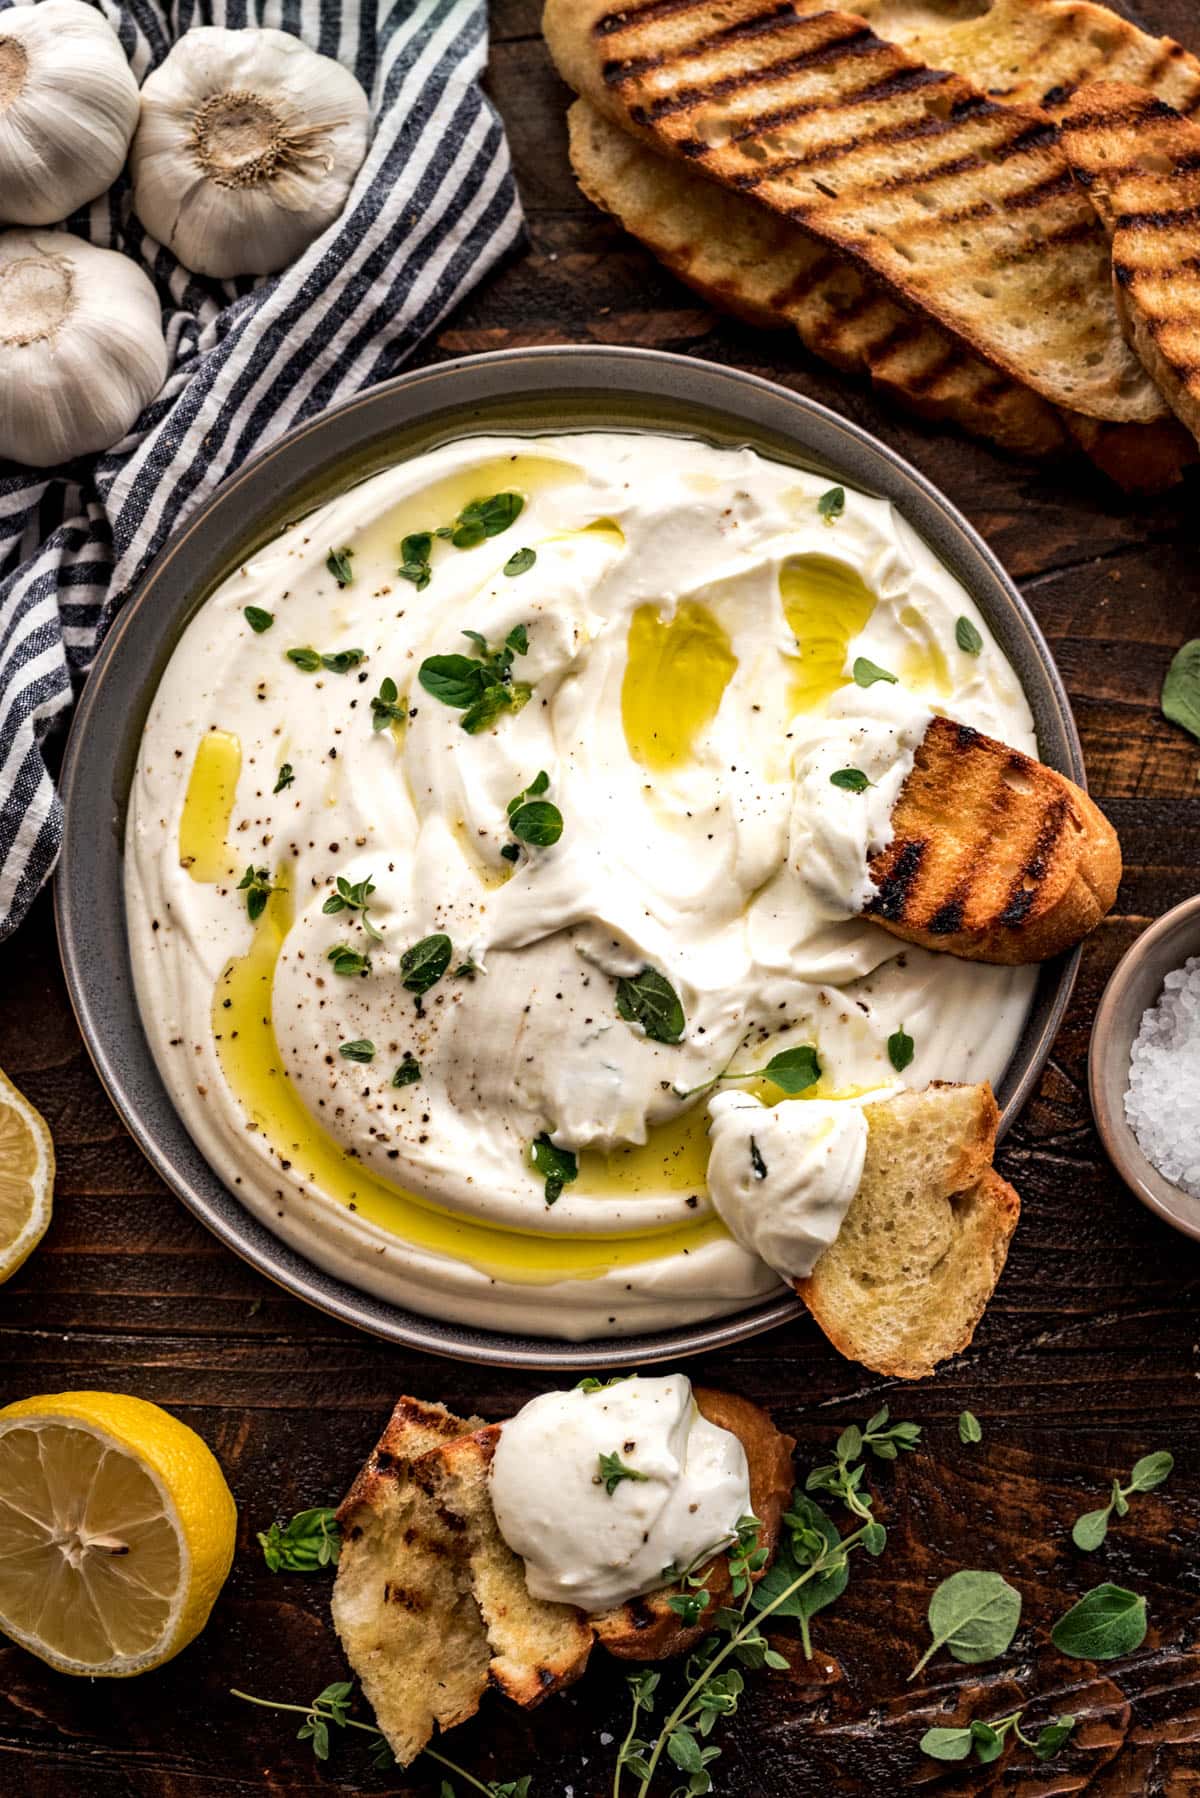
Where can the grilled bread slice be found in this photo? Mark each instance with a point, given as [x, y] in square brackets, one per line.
[963, 208]
[402, 1601]
[647, 1629]
[994, 856]
[925, 1238]
[1035, 52]
[773, 274]
[1139, 163]
[537, 1648]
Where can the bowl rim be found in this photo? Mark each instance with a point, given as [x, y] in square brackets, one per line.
[1108, 1046]
[764, 408]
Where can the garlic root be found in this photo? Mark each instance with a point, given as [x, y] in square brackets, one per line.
[246, 150]
[68, 107]
[82, 351]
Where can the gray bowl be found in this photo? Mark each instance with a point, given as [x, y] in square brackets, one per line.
[517, 390]
[1134, 987]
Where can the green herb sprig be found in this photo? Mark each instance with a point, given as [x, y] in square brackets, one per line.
[987, 1740]
[356, 897]
[481, 687]
[332, 1707]
[533, 819]
[482, 518]
[384, 707]
[650, 1000]
[558, 1167]
[975, 1614]
[612, 1470]
[793, 1071]
[287, 775]
[842, 1478]
[347, 960]
[866, 673]
[1090, 1529]
[257, 885]
[311, 1540]
[415, 551]
[1107, 1622]
[337, 661]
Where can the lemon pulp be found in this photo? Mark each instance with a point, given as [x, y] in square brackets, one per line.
[26, 1178]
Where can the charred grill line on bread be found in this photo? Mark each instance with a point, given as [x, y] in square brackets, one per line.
[774, 274]
[1037, 52]
[994, 856]
[963, 207]
[1139, 162]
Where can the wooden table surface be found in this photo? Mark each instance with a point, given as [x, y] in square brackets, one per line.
[1088, 1356]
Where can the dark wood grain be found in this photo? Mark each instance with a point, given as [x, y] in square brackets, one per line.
[1089, 1355]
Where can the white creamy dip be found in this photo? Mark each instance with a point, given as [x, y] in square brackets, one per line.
[781, 1177]
[609, 1494]
[686, 629]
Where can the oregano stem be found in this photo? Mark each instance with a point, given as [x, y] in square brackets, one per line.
[698, 1684]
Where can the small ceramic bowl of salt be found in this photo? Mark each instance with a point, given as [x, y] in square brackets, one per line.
[1144, 1068]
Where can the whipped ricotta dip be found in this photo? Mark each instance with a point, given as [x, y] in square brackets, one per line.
[612, 1492]
[485, 845]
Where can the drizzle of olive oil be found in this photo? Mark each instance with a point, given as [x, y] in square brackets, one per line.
[924, 663]
[253, 1068]
[676, 673]
[208, 806]
[674, 1158]
[441, 502]
[826, 603]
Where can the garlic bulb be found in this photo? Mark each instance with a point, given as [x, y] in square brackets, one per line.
[246, 149]
[81, 346]
[68, 107]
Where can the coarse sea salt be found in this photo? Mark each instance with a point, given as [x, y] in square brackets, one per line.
[1162, 1102]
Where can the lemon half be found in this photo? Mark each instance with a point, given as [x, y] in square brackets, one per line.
[26, 1177]
[116, 1531]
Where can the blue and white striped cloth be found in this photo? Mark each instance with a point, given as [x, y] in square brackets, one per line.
[433, 208]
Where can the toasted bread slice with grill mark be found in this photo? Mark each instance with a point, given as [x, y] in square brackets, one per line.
[1036, 52]
[771, 273]
[537, 1648]
[925, 1238]
[402, 1600]
[647, 1629]
[994, 856]
[963, 208]
[1139, 162]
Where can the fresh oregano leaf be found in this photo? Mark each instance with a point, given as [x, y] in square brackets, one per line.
[1053, 1737]
[456, 680]
[1107, 1622]
[305, 659]
[1089, 1530]
[408, 1072]
[1181, 689]
[258, 620]
[947, 1744]
[423, 965]
[650, 1000]
[538, 822]
[967, 637]
[866, 673]
[851, 780]
[1150, 1471]
[832, 504]
[338, 564]
[901, 1049]
[974, 1614]
[558, 1167]
[794, 1070]
[520, 562]
[361, 1049]
[969, 1427]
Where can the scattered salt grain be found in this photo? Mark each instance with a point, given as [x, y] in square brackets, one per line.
[1162, 1103]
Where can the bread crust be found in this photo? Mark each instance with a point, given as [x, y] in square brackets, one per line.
[769, 99]
[647, 1629]
[925, 1238]
[994, 857]
[1138, 161]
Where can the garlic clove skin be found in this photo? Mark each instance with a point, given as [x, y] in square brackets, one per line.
[68, 108]
[82, 351]
[246, 149]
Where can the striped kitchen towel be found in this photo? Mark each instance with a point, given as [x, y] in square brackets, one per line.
[433, 207]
